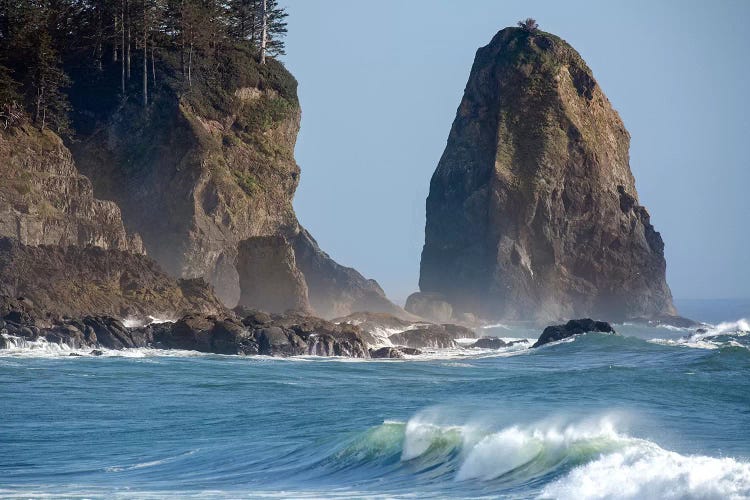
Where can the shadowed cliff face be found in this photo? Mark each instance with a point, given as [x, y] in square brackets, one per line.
[204, 170]
[532, 211]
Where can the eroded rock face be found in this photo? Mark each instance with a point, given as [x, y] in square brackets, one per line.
[44, 200]
[195, 183]
[269, 277]
[80, 281]
[532, 211]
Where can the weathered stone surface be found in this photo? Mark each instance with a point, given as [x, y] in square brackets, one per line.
[571, 328]
[44, 200]
[532, 211]
[431, 336]
[79, 281]
[269, 277]
[195, 182]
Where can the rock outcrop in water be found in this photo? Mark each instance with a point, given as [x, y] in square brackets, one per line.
[571, 328]
[532, 211]
[257, 333]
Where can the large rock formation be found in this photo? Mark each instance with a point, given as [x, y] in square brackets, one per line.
[213, 167]
[269, 277]
[44, 200]
[532, 211]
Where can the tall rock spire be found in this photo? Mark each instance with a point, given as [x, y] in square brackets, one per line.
[532, 211]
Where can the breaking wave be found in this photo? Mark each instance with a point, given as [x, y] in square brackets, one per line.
[586, 459]
[724, 335]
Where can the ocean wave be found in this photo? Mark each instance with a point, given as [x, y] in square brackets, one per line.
[726, 334]
[586, 459]
[645, 470]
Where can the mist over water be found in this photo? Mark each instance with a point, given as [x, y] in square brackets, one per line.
[649, 413]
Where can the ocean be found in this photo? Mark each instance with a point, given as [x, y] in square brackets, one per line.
[648, 413]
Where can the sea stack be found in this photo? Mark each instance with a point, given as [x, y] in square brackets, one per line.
[532, 212]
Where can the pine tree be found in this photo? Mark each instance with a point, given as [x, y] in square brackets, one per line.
[46, 81]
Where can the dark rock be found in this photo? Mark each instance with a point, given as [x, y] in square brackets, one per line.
[274, 341]
[430, 336]
[532, 212]
[490, 343]
[97, 352]
[75, 354]
[496, 343]
[229, 337]
[397, 352]
[571, 328]
[386, 352]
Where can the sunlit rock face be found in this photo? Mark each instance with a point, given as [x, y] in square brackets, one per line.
[532, 211]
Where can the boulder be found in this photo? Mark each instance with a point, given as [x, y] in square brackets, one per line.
[495, 343]
[571, 328]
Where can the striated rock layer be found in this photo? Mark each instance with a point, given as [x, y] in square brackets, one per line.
[77, 281]
[532, 211]
[44, 200]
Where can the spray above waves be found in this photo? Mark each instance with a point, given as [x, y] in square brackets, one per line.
[730, 334]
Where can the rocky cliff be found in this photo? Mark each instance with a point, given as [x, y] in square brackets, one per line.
[205, 169]
[532, 211]
[44, 200]
[78, 281]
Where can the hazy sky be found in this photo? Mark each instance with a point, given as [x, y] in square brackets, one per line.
[380, 82]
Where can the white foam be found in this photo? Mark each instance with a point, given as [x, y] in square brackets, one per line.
[644, 470]
[705, 340]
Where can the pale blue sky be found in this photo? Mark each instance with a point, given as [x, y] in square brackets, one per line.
[380, 82]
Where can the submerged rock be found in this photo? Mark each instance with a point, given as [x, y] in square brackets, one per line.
[532, 212]
[571, 328]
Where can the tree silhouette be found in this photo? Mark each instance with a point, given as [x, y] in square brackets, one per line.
[529, 25]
